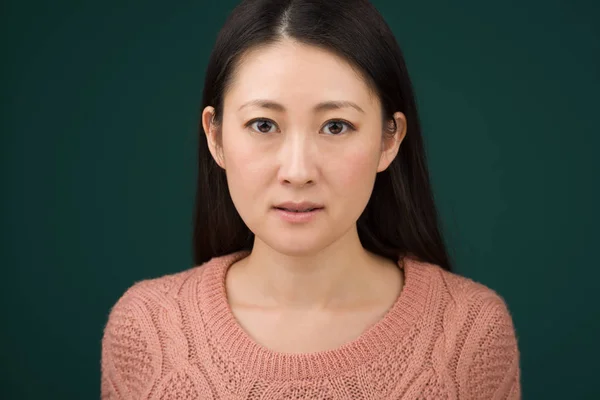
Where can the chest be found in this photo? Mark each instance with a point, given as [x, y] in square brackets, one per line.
[305, 332]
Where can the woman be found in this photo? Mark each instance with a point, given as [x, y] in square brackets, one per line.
[320, 270]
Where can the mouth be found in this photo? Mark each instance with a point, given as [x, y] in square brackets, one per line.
[298, 214]
[298, 207]
[298, 211]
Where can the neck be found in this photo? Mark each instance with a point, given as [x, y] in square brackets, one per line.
[341, 275]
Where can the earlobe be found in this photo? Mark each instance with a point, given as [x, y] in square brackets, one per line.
[391, 141]
[210, 129]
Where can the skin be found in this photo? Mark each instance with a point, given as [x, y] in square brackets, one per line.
[314, 276]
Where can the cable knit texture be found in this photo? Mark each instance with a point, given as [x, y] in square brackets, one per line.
[175, 337]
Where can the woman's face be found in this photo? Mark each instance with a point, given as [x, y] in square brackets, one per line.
[300, 125]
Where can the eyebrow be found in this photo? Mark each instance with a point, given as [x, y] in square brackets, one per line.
[326, 105]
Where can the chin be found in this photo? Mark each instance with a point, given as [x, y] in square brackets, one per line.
[296, 245]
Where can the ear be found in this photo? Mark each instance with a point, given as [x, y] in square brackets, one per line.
[211, 131]
[390, 145]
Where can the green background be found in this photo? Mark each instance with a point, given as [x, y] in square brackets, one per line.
[100, 107]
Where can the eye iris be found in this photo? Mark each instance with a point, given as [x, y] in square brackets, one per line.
[335, 130]
[264, 126]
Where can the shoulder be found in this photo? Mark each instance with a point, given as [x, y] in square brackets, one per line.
[467, 307]
[462, 292]
[148, 293]
[131, 338]
[140, 302]
[477, 299]
[480, 334]
[481, 310]
[164, 291]
[141, 297]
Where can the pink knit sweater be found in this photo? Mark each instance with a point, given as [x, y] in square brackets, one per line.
[175, 337]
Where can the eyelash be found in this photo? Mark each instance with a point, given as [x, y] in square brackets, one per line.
[350, 127]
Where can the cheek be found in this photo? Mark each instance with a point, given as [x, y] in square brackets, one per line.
[354, 172]
[242, 156]
[246, 173]
[351, 180]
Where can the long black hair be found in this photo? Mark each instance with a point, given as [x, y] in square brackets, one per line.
[400, 218]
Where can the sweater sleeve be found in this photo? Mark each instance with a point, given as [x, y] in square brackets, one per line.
[494, 371]
[126, 360]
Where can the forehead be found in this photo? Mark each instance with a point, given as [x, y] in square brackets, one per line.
[297, 73]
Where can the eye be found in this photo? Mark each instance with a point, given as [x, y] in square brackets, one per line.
[336, 127]
[262, 125]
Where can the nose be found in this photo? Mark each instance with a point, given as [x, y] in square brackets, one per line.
[297, 163]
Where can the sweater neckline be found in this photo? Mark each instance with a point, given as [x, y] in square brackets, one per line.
[250, 356]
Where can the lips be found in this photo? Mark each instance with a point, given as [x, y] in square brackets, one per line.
[296, 211]
[304, 206]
